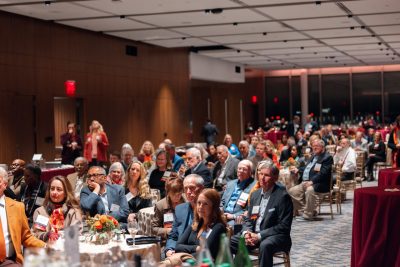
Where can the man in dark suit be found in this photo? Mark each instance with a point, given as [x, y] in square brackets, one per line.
[193, 185]
[225, 169]
[269, 217]
[98, 197]
[316, 179]
[209, 132]
[293, 126]
[197, 166]
[234, 199]
[14, 228]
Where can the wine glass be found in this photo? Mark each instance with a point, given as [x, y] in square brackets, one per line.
[133, 229]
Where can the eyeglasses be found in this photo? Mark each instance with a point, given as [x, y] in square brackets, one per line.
[95, 175]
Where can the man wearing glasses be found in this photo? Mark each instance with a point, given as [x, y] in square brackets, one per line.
[98, 197]
[16, 174]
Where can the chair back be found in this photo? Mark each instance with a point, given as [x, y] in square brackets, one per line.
[155, 196]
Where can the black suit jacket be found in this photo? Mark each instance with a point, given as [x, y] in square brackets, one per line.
[278, 215]
[321, 179]
[204, 172]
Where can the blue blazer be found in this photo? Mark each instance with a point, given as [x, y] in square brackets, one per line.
[181, 221]
[91, 202]
[250, 182]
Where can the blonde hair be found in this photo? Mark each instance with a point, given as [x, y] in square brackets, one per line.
[143, 185]
[100, 127]
[151, 149]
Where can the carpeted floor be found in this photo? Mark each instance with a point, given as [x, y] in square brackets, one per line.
[325, 242]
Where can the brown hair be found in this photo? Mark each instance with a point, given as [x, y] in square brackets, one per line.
[69, 200]
[174, 185]
[216, 214]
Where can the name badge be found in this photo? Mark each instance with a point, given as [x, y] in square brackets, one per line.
[168, 219]
[129, 196]
[39, 201]
[254, 212]
[208, 233]
[114, 207]
[271, 210]
[167, 174]
[317, 167]
[242, 201]
[41, 222]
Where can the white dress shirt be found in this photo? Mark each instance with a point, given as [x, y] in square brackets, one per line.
[4, 224]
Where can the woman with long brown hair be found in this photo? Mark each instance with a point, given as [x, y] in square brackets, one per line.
[137, 189]
[60, 209]
[208, 223]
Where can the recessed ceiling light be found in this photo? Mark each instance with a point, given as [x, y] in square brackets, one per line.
[363, 27]
[183, 38]
[380, 43]
[122, 16]
[302, 47]
[264, 33]
[235, 24]
[318, 3]
[285, 41]
[352, 28]
[350, 16]
[47, 3]
[238, 51]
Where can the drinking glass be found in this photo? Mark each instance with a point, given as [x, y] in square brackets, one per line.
[133, 229]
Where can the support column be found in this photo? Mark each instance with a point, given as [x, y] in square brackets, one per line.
[304, 94]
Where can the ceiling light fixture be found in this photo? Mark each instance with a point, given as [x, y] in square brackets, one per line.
[302, 47]
[122, 16]
[238, 51]
[183, 38]
[235, 24]
[352, 28]
[350, 16]
[379, 43]
[285, 41]
[264, 33]
[363, 27]
[318, 3]
[47, 3]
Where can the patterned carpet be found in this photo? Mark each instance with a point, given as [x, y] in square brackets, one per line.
[325, 242]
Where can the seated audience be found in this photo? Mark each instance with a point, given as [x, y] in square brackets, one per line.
[232, 148]
[270, 152]
[71, 144]
[208, 223]
[377, 153]
[193, 184]
[283, 144]
[345, 159]
[175, 159]
[79, 177]
[33, 191]
[225, 169]
[15, 231]
[196, 166]
[98, 197]
[315, 179]
[16, 175]
[244, 149]
[164, 210]
[359, 143]
[163, 166]
[146, 152]
[269, 217]
[254, 140]
[59, 206]
[137, 189]
[127, 155]
[234, 198]
[116, 174]
[212, 156]
[260, 153]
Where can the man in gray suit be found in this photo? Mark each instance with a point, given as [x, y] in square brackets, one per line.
[225, 169]
[234, 200]
[98, 197]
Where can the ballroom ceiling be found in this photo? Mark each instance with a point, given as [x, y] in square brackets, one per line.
[262, 34]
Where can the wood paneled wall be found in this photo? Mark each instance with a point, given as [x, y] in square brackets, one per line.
[135, 98]
[233, 93]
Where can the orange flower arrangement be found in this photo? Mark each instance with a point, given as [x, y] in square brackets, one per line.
[102, 226]
[291, 162]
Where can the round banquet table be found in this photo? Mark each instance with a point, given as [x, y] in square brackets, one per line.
[88, 250]
[389, 177]
[376, 231]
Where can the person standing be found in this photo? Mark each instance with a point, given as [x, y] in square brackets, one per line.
[209, 132]
[96, 145]
[71, 143]
[394, 143]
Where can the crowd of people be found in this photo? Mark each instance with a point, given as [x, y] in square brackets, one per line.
[205, 192]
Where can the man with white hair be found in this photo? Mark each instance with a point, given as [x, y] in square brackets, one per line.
[315, 179]
[244, 149]
[184, 215]
[14, 228]
[345, 158]
[225, 169]
[234, 200]
[127, 155]
[197, 166]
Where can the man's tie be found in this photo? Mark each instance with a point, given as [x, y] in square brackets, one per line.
[2, 241]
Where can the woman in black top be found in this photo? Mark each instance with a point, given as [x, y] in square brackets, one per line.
[208, 223]
[377, 153]
[163, 164]
[137, 189]
[32, 191]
